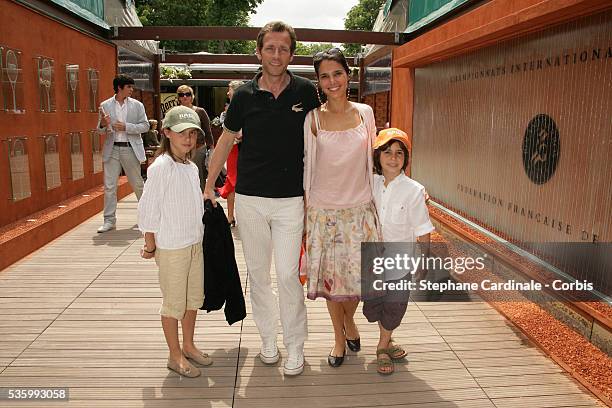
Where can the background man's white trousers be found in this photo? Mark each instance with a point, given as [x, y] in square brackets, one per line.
[121, 157]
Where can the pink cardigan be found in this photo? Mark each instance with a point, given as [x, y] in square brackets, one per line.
[310, 145]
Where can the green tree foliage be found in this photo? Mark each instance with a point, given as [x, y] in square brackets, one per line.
[361, 17]
[305, 48]
[231, 13]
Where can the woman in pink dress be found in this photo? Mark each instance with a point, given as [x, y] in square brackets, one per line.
[227, 191]
[340, 212]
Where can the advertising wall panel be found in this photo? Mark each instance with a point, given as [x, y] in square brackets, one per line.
[519, 135]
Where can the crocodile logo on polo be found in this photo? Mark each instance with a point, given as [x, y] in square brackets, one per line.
[297, 107]
[541, 148]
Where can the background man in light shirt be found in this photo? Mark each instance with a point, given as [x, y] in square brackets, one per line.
[123, 119]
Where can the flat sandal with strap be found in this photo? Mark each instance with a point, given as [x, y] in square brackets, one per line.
[382, 363]
[396, 352]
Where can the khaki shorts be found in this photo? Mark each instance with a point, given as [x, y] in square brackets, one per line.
[181, 279]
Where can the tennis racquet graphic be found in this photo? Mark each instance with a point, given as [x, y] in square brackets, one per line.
[73, 81]
[93, 80]
[12, 72]
[45, 79]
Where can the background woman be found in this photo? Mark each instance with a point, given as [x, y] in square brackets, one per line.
[340, 214]
[186, 98]
[150, 139]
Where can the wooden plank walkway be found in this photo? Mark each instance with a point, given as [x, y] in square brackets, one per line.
[82, 313]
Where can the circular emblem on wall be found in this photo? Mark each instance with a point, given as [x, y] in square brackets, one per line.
[541, 148]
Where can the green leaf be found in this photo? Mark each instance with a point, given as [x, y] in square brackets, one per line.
[231, 13]
[361, 17]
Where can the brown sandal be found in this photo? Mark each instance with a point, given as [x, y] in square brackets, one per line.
[396, 352]
[382, 364]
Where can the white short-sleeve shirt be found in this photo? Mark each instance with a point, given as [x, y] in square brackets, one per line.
[401, 209]
[403, 216]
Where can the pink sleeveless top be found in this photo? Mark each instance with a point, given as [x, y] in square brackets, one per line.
[340, 174]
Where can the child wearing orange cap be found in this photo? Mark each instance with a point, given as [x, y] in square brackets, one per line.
[400, 203]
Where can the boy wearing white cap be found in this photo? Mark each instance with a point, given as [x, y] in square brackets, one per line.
[170, 216]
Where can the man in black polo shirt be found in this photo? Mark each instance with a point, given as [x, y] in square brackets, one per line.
[270, 110]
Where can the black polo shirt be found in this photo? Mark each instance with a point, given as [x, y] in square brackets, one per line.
[271, 159]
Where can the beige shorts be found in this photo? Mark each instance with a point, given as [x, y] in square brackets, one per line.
[181, 279]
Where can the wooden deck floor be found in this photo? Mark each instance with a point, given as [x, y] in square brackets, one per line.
[82, 313]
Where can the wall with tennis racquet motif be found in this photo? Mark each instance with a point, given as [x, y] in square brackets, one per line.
[53, 78]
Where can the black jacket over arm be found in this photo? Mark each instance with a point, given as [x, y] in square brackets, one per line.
[221, 278]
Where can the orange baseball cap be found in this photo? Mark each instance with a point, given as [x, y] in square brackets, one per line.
[386, 135]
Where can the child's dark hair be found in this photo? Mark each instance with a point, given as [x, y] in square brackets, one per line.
[377, 152]
[122, 80]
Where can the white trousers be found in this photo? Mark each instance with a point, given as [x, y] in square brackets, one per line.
[267, 224]
[120, 157]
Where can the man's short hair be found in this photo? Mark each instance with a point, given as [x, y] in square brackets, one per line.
[276, 27]
[122, 80]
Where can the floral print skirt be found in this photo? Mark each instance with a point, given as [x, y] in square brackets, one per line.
[333, 250]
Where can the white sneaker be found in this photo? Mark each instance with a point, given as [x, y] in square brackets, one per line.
[294, 364]
[107, 226]
[269, 353]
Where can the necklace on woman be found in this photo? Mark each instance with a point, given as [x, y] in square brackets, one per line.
[338, 109]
